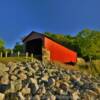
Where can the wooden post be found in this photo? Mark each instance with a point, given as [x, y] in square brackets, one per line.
[1, 54]
[6, 54]
[18, 53]
[32, 57]
[12, 52]
[27, 55]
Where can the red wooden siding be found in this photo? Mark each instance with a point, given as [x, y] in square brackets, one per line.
[59, 52]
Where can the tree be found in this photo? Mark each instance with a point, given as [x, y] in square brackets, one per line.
[18, 47]
[2, 43]
[89, 43]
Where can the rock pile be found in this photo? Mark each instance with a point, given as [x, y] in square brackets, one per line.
[45, 81]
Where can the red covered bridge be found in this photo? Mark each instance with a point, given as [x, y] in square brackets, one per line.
[35, 41]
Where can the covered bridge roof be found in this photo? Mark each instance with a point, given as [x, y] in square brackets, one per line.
[35, 35]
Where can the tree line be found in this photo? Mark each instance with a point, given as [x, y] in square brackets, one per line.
[86, 43]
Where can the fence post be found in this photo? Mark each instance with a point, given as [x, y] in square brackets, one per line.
[6, 54]
[1, 54]
[32, 57]
[12, 52]
[27, 55]
[18, 54]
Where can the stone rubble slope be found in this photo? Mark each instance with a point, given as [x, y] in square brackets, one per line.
[45, 81]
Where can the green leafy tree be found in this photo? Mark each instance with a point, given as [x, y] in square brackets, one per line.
[89, 43]
[18, 47]
[2, 43]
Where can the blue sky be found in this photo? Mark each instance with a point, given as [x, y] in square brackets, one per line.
[19, 17]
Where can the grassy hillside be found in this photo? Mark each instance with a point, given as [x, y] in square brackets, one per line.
[12, 59]
[92, 68]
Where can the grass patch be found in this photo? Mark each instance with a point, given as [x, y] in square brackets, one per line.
[66, 66]
[95, 66]
[91, 68]
[12, 59]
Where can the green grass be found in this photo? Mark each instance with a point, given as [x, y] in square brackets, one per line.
[66, 67]
[91, 68]
[12, 59]
[95, 66]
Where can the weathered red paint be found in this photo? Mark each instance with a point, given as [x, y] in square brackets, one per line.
[59, 52]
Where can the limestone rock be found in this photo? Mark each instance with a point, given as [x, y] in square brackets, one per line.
[13, 77]
[52, 97]
[34, 88]
[15, 86]
[21, 96]
[51, 82]
[3, 67]
[36, 97]
[12, 66]
[81, 61]
[2, 96]
[76, 95]
[4, 79]
[63, 86]
[26, 91]
[22, 76]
